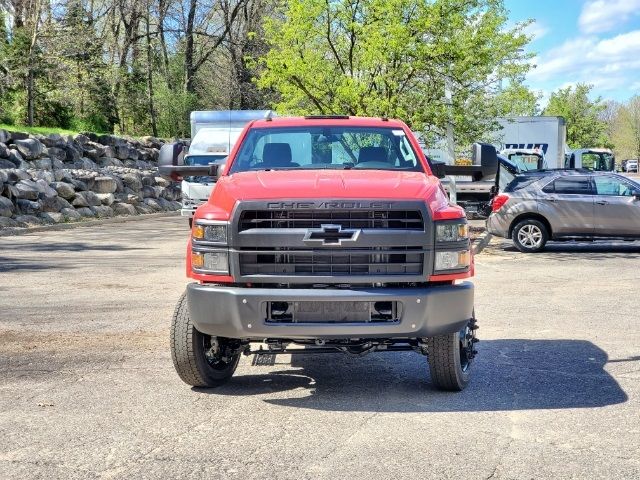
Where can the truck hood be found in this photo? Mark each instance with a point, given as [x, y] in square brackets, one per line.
[323, 184]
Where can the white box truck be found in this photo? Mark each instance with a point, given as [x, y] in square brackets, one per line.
[213, 135]
[546, 133]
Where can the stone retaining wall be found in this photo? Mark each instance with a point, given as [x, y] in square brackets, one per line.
[63, 178]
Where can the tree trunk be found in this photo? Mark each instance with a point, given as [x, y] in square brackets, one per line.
[152, 110]
[189, 52]
[162, 13]
[35, 20]
[30, 95]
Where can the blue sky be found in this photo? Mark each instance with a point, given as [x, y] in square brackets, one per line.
[589, 41]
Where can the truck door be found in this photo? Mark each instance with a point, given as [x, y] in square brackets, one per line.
[568, 203]
[617, 209]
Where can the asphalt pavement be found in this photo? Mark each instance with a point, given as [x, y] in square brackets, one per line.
[88, 390]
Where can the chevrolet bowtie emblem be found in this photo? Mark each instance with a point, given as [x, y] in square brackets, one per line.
[330, 235]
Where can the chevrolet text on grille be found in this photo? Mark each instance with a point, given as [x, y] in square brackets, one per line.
[318, 205]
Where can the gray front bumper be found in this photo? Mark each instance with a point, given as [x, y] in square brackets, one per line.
[240, 312]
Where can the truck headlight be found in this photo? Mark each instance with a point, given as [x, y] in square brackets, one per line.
[452, 260]
[211, 262]
[215, 233]
[452, 232]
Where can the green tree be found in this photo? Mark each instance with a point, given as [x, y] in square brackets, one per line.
[131, 66]
[24, 64]
[84, 86]
[585, 125]
[517, 100]
[5, 74]
[625, 132]
[395, 58]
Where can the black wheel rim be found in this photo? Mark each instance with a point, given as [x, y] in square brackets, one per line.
[467, 340]
[216, 352]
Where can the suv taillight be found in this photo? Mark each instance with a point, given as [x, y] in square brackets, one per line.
[499, 201]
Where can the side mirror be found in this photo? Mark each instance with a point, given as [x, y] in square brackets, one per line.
[484, 154]
[171, 164]
[176, 172]
[171, 155]
[438, 169]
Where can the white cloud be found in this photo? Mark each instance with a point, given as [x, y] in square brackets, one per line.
[603, 15]
[620, 45]
[536, 30]
[608, 64]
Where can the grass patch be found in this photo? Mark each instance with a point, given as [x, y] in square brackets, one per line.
[61, 131]
[34, 130]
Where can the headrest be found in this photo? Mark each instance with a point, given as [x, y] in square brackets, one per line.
[276, 155]
[372, 154]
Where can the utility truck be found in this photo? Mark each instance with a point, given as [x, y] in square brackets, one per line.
[213, 135]
[472, 186]
[548, 134]
[526, 143]
[597, 159]
[324, 234]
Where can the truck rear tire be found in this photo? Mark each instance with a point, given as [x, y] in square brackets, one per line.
[200, 360]
[450, 358]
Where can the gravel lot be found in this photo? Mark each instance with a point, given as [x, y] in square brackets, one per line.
[87, 387]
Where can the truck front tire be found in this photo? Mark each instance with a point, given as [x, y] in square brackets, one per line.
[450, 358]
[200, 360]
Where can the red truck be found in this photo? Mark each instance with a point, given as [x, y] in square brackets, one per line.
[324, 234]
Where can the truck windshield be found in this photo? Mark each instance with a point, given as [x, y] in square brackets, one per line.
[314, 148]
[526, 162]
[204, 159]
[598, 161]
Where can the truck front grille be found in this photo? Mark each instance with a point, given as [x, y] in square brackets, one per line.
[363, 261]
[383, 219]
[337, 241]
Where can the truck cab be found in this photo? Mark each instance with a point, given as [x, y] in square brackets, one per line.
[526, 159]
[598, 159]
[323, 235]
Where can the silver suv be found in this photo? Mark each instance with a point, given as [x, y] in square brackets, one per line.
[566, 205]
